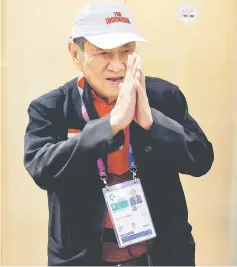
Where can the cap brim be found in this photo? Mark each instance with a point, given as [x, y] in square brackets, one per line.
[112, 40]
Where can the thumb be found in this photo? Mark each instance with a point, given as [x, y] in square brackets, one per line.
[121, 87]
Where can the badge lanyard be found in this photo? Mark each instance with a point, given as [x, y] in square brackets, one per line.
[100, 164]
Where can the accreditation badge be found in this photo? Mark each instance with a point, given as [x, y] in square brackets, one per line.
[129, 212]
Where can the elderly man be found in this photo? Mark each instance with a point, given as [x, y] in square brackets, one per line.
[107, 132]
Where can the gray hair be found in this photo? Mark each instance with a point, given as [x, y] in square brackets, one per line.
[80, 41]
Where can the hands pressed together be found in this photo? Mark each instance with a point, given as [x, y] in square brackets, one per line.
[132, 102]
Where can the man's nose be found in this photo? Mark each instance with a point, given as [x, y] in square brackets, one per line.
[116, 65]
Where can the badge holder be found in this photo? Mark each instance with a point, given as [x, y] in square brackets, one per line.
[129, 211]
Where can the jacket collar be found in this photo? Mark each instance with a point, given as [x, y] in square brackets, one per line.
[87, 99]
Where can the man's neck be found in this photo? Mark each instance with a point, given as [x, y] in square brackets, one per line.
[109, 100]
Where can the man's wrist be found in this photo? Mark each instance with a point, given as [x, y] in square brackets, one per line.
[148, 125]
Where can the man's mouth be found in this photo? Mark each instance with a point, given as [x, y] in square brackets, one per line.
[115, 80]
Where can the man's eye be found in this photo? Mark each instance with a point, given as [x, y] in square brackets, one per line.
[104, 53]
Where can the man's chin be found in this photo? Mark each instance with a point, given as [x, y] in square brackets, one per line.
[113, 91]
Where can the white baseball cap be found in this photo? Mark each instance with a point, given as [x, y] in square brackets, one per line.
[106, 25]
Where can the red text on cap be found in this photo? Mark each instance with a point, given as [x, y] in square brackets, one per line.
[117, 18]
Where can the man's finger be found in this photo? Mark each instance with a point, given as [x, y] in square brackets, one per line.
[122, 89]
[134, 69]
[132, 61]
[129, 63]
[137, 82]
[142, 79]
[138, 76]
[129, 68]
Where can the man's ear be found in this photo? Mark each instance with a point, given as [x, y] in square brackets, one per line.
[74, 51]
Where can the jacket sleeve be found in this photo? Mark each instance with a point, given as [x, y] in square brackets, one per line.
[187, 145]
[48, 159]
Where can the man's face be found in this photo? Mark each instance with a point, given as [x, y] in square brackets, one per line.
[106, 69]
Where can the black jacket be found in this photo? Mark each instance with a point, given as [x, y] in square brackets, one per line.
[67, 169]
